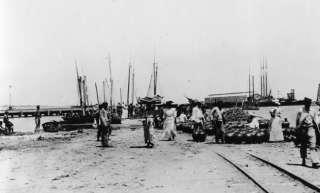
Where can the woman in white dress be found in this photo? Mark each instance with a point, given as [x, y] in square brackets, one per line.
[275, 127]
[169, 125]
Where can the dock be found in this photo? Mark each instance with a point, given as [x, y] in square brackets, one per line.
[44, 112]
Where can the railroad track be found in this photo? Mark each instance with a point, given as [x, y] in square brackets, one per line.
[267, 176]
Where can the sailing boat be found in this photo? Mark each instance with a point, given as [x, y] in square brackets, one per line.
[83, 117]
[318, 96]
[152, 96]
[77, 120]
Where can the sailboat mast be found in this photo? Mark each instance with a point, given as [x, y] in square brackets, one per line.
[249, 84]
[120, 97]
[263, 77]
[128, 92]
[318, 94]
[154, 77]
[104, 90]
[253, 88]
[260, 79]
[97, 93]
[132, 92]
[111, 82]
[266, 76]
[79, 84]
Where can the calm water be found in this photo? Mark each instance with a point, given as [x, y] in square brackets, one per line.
[26, 124]
[289, 112]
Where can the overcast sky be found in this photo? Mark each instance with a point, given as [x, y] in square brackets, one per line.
[202, 47]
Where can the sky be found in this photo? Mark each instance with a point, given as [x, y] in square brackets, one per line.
[202, 47]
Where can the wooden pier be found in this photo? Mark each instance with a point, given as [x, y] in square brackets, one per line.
[44, 112]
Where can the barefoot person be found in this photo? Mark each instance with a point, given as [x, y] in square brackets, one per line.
[275, 127]
[37, 120]
[148, 127]
[105, 127]
[169, 125]
[307, 122]
[197, 117]
[217, 114]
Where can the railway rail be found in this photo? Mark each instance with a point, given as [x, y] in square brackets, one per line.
[267, 176]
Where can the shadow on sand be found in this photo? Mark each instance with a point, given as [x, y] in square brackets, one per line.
[141, 146]
[293, 164]
[109, 146]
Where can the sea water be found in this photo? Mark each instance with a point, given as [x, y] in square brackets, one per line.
[27, 124]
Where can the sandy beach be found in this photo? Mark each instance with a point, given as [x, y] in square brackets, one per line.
[75, 162]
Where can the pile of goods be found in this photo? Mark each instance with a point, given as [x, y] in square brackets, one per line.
[235, 114]
[188, 126]
[289, 134]
[115, 118]
[240, 132]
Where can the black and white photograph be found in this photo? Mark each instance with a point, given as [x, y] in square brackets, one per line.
[159, 96]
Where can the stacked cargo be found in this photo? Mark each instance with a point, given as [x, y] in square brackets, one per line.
[240, 132]
[235, 114]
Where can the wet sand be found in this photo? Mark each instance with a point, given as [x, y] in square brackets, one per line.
[74, 162]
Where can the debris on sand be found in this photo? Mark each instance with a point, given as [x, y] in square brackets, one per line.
[60, 177]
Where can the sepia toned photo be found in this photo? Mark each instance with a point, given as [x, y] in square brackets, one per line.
[159, 96]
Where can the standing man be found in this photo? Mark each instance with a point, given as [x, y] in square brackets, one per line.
[218, 121]
[119, 110]
[197, 117]
[97, 120]
[307, 122]
[37, 119]
[104, 125]
[130, 109]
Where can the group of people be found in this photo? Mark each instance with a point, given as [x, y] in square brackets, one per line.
[7, 129]
[307, 126]
[197, 117]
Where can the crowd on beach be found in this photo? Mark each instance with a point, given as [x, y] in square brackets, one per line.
[307, 125]
[167, 116]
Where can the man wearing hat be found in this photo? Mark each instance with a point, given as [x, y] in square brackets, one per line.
[306, 122]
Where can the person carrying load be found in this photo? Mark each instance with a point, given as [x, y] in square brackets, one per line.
[218, 122]
[307, 122]
[197, 117]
